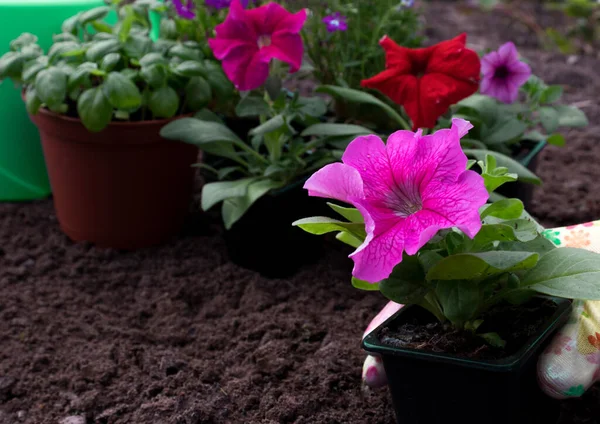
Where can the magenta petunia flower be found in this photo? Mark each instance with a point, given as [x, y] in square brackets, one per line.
[335, 22]
[249, 39]
[186, 10]
[407, 190]
[503, 73]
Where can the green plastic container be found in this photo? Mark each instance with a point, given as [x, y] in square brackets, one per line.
[22, 170]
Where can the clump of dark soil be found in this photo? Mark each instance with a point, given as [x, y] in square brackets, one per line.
[180, 335]
[513, 324]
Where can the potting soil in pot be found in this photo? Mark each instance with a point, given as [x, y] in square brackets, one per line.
[514, 324]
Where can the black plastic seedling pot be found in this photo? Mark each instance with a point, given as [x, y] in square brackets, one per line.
[436, 388]
[264, 239]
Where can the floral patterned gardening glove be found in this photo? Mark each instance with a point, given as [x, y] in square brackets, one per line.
[571, 363]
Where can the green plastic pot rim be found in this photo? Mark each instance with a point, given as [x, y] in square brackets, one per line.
[539, 145]
[372, 344]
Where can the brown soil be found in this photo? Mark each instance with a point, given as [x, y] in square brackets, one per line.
[514, 324]
[179, 335]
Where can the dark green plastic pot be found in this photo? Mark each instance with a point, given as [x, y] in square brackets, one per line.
[438, 388]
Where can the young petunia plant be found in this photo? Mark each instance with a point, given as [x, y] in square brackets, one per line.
[424, 234]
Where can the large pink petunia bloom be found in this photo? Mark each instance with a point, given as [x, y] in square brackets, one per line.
[503, 73]
[407, 190]
[249, 39]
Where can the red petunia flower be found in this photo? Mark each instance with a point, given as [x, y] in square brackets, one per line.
[427, 81]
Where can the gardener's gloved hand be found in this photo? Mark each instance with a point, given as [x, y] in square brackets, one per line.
[571, 363]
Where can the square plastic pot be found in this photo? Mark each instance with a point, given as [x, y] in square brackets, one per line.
[436, 388]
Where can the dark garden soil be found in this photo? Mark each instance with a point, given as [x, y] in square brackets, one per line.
[178, 334]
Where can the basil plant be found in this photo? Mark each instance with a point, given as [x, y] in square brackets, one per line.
[290, 140]
[102, 73]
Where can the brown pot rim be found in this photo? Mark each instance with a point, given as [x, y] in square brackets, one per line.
[114, 124]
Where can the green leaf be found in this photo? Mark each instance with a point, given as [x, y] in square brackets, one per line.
[152, 58]
[51, 87]
[121, 92]
[252, 106]
[100, 49]
[11, 65]
[220, 84]
[185, 53]
[110, 61]
[94, 109]
[406, 284]
[137, 46]
[549, 118]
[551, 94]
[364, 285]
[468, 266]
[57, 50]
[460, 300]
[322, 225]
[493, 339]
[357, 96]
[484, 106]
[198, 93]
[191, 68]
[505, 209]
[269, 126]
[504, 132]
[81, 75]
[213, 193]
[504, 161]
[566, 272]
[32, 101]
[31, 69]
[197, 132]
[348, 239]
[330, 129]
[155, 74]
[101, 27]
[234, 208]
[351, 214]
[570, 116]
[70, 25]
[539, 245]
[164, 102]
[312, 106]
[94, 14]
[208, 115]
[556, 140]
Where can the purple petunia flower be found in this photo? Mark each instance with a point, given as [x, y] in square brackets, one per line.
[222, 4]
[406, 3]
[503, 73]
[186, 10]
[335, 22]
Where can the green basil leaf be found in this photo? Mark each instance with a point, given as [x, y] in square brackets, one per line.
[94, 14]
[100, 49]
[32, 101]
[198, 93]
[51, 86]
[121, 92]
[155, 75]
[137, 46]
[110, 61]
[94, 109]
[164, 102]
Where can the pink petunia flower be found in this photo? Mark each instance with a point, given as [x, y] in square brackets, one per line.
[249, 39]
[503, 73]
[406, 190]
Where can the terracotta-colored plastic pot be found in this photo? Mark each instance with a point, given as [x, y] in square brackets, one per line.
[124, 187]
